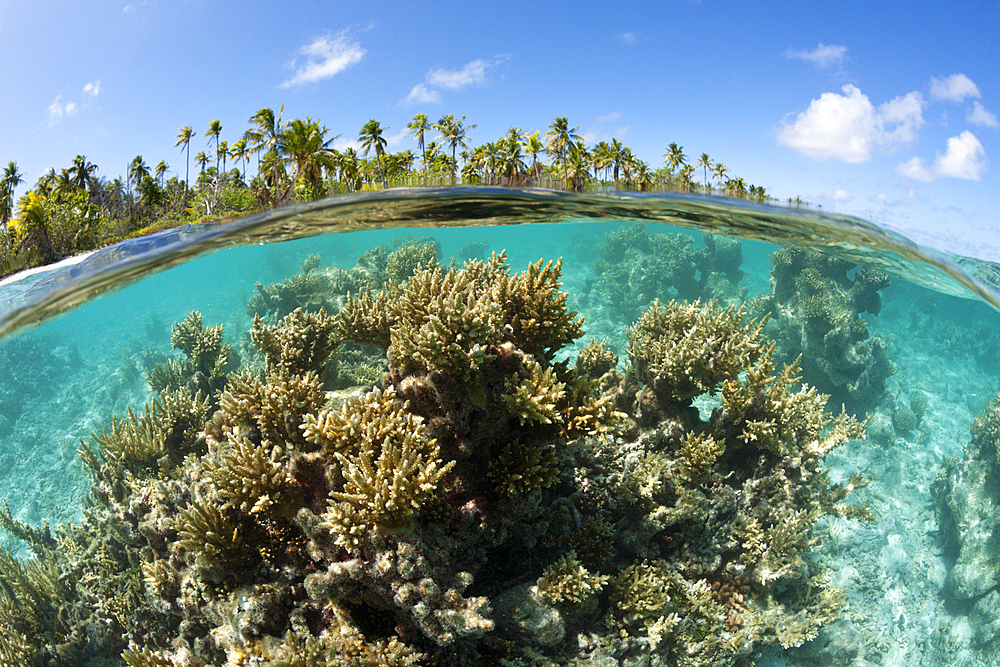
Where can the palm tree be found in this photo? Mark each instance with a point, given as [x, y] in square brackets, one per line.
[674, 158]
[510, 157]
[31, 226]
[720, 170]
[416, 128]
[240, 152]
[704, 162]
[266, 134]
[737, 187]
[137, 170]
[533, 145]
[309, 150]
[578, 159]
[161, 171]
[687, 171]
[619, 153]
[559, 139]
[200, 160]
[455, 132]
[371, 136]
[601, 158]
[81, 172]
[214, 130]
[221, 151]
[350, 168]
[184, 139]
[12, 177]
[643, 175]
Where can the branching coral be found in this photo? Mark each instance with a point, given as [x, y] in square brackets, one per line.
[684, 350]
[402, 262]
[521, 469]
[254, 479]
[207, 359]
[168, 426]
[596, 359]
[388, 471]
[301, 527]
[568, 581]
[300, 343]
[637, 266]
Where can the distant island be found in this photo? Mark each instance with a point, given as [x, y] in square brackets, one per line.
[277, 162]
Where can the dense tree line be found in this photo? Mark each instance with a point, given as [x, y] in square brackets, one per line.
[276, 162]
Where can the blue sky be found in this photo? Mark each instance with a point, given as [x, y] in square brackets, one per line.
[886, 110]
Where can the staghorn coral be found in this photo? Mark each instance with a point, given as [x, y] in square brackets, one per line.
[402, 262]
[522, 469]
[207, 359]
[568, 581]
[596, 359]
[685, 350]
[384, 492]
[533, 398]
[168, 426]
[636, 267]
[300, 343]
[253, 479]
[147, 658]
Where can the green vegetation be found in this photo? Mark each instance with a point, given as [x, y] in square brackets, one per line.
[76, 209]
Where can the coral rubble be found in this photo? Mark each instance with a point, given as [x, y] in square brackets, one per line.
[481, 504]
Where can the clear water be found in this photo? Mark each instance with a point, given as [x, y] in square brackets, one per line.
[79, 340]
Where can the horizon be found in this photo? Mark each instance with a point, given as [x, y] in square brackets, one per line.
[896, 126]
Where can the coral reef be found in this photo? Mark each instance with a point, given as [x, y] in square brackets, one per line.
[206, 360]
[815, 310]
[482, 503]
[637, 266]
[968, 503]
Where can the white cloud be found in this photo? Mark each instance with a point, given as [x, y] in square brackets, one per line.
[608, 117]
[916, 169]
[393, 140]
[343, 143]
[628, 37]
[964, 158]
[91, 90]
[954, 88]
[325, 57]
[58, 109]
[848, 127]
[838, 195]
[823, 55]
[472, 74]
[981, 117]
[421, 94]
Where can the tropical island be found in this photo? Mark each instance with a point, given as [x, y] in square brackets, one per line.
[76, 209]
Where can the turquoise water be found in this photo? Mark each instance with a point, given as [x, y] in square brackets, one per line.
[888, 329]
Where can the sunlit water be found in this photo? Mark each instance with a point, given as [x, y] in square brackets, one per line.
[81, 338]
